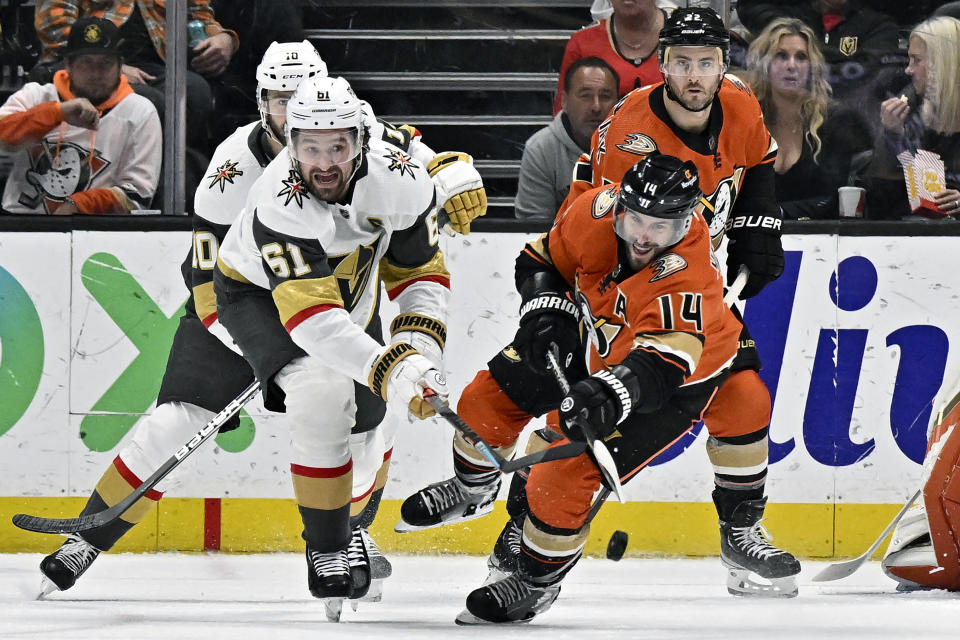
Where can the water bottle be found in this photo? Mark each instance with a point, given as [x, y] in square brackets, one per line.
[196, 33]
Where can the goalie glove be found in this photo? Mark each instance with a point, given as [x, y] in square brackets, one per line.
[603, 400]
[459, 188]
[425, 334]
[754, 242]
[399, 375]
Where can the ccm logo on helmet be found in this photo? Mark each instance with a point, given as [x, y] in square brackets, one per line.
[762, 222]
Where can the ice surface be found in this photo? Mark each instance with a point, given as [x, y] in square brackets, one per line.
[213, 596]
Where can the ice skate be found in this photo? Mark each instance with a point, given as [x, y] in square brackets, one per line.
[380, 568]
[507, 601]
[63, 567]
[503, 560]
[329, 579]
[446, 502]
[746, 552]
[359, 567]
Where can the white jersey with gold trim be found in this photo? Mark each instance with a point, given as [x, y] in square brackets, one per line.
[323, 261]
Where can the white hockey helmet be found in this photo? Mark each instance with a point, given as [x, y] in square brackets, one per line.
[283, 66]
[325, 104]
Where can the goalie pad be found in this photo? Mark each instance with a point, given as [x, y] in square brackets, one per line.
[924, 550]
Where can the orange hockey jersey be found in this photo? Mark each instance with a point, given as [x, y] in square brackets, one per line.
[736, 141]
[673, 308]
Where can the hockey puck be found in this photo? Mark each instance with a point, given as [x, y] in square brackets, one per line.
[617, 545]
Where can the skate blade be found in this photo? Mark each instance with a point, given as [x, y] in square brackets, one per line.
[741, 582]
[403, 526]
[375, 592]
[46, 588]
[332, 607]
[467, 619]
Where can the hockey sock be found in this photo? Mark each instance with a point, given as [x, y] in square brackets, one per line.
[548, 553]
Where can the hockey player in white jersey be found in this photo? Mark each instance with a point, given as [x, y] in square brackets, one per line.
[333, 214]
[202, 374]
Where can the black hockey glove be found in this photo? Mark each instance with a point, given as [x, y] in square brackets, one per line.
[602, 400]
[548, 319]
[754, 242]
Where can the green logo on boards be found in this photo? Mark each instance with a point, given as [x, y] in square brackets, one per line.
[21, 351]
[151, 332]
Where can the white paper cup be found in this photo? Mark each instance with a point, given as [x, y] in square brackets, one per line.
[852, 200]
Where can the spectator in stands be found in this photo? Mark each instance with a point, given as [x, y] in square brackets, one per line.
[627, 40]
[590, 91]
[142, 26]
[820, 142]
[925, 115]
[856, 41]
[86, 143]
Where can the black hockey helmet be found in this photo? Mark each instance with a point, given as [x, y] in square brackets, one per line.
[694, 27]
[661, 186]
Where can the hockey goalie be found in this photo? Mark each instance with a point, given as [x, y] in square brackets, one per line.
[924, 551]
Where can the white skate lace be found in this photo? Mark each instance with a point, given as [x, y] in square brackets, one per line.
[373, 551]
[77, 554]
[355, 555]
[514, 535]
[509, 590]
[443, 495]
[755, 541]
[328, 564]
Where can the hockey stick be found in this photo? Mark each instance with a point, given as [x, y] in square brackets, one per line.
[843, 569]
[502, 464]
[601, 455]
[733, 291]
[105, 517]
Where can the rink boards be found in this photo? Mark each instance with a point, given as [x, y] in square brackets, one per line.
[855, 339]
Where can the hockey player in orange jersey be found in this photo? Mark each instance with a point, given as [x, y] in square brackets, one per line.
[700, 114]
[633, 264]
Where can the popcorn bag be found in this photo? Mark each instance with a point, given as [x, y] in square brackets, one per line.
[924, 176]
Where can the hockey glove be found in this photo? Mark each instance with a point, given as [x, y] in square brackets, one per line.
[754, 243]
[459, 188]
[602, 400]
[399, 375]
[548, 319]
[425, 334]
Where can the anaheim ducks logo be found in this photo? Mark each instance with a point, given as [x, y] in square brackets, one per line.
[666, 264]
[294, 190]
[639, 144]
[352, 272]
[224, 175]
[603, 202]
[716, 207]
[601, 330]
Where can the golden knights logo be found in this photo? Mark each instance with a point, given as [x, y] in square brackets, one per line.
[56, 174]
[848, 45]
[666, 264]
[294, 189]
[399, 161]
[353, 271]
[225, 174]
